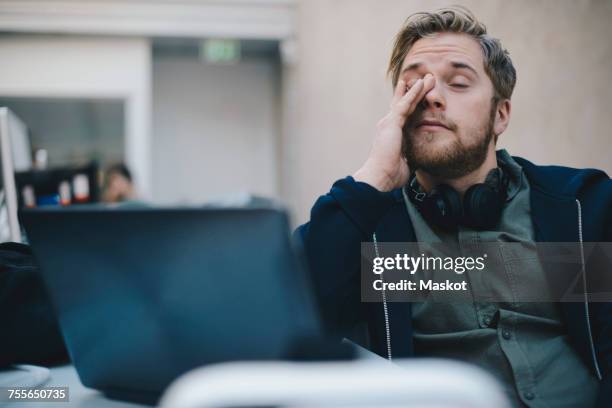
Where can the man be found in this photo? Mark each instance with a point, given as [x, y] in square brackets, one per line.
[432, 160]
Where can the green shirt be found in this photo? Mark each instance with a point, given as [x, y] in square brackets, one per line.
[524, 345]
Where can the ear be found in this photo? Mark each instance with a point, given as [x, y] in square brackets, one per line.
[502, 116]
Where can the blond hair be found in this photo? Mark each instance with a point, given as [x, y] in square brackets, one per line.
[456, 19]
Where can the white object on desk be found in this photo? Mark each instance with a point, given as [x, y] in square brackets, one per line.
[24, 375]
[79, 396]
[415, 383]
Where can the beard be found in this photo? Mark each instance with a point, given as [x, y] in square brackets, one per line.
[454, 158]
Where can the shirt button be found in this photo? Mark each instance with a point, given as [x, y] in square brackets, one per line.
[529, 395]
[506, 334]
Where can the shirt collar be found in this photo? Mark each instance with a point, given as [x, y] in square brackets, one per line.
[513, 171]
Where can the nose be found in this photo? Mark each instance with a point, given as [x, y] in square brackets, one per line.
[434, 98]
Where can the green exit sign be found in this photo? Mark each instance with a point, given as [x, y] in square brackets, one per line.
[218, 51]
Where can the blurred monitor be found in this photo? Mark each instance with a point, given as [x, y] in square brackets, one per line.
[14, 156]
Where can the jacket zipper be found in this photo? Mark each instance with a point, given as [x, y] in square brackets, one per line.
[586, 297]
[586, 294]
[385, 310]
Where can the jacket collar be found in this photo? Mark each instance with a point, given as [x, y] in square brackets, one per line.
[555, 217]
[553, 209]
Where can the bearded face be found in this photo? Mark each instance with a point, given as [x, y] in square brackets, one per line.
[442, 148]
[450, 132]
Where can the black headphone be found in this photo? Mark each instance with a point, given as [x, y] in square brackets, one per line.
[480, 208]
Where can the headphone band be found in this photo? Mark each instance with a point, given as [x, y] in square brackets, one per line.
[496, 178]
[444, 206]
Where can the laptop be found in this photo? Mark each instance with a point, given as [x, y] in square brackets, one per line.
[143, 295]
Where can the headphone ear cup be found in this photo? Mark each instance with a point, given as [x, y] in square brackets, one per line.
[482, 206]
[444, 206]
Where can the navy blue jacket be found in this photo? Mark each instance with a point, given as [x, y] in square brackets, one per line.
[561, 199]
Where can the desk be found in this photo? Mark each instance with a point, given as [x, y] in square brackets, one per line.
[80, 397]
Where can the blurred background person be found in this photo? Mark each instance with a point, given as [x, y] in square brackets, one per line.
[118, 184]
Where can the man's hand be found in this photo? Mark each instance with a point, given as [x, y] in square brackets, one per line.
[386, 169]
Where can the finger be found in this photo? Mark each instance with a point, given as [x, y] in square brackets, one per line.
[404, 104]
[407, 104]
[428, 83]
[400, 90]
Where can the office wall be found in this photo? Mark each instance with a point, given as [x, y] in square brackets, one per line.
[215, 129]
[73, 131]
[561, 104]
[91, 67]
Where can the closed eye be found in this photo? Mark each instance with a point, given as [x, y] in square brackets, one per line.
[459, 85]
